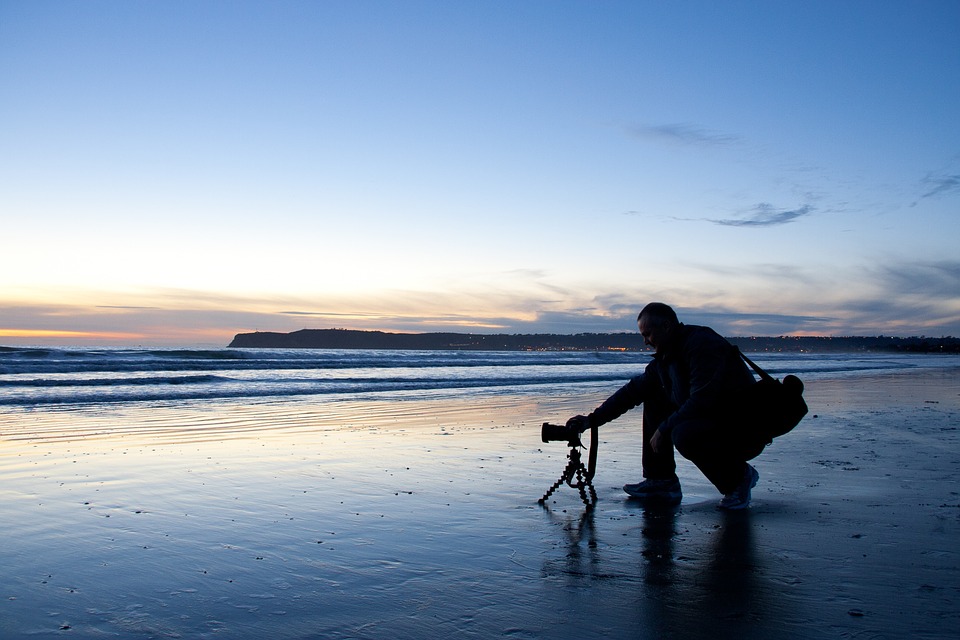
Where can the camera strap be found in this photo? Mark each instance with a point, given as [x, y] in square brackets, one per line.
[753, 365]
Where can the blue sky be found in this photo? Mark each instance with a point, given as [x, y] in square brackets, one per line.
[177, 172]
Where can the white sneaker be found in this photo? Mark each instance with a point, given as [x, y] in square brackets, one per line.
[666, 492]
[739, 498]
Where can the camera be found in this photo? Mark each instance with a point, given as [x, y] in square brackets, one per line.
[560, 433]
[576, 474]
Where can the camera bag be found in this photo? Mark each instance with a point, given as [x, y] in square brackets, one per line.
[770, 408]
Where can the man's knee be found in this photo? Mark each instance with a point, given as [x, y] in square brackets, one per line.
[693, 437]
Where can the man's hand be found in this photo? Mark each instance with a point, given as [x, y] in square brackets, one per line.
[580, 423]
[655, 441]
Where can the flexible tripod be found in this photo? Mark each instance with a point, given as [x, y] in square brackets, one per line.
[576, 474]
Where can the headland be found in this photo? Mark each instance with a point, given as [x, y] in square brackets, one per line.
[355, 339]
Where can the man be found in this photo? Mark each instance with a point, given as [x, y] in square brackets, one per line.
[683, 391]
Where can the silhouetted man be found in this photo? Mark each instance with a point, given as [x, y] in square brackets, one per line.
[683, 391]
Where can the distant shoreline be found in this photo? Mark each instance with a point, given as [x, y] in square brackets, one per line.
[356, 339]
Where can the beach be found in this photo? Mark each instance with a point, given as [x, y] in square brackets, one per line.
[411, 518]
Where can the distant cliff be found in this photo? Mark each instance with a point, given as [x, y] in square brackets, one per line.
[351, 339]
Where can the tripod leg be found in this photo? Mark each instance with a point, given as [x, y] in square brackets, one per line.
[583, 485]
[575, 471]
[566, 477]
[550, 491]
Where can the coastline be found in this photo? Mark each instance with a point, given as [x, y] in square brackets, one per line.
[400, 520]
[620, 341]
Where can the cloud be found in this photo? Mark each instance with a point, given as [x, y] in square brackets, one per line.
[683, 133]
[938, 279]
[330, 314]
[735, 323]
[937, 186]
[888, 296]
[765, 215]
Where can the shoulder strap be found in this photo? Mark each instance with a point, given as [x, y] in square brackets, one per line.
[753, 365]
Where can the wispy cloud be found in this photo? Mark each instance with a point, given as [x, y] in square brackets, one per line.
[939, 280]
[887, 296]
[684, 133]
[330, 314]
[937, 186]
[736, 323]
[766, 215]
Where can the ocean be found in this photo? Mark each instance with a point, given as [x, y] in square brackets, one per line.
[63, 378]
[247, 493]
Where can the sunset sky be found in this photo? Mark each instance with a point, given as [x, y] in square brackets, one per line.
[172, 173]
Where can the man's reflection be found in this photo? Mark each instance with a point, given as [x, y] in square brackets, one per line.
[697, 574]
[730, 584]
[659, 531]
[717, 578]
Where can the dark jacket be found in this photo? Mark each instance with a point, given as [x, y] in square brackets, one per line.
[695, 373]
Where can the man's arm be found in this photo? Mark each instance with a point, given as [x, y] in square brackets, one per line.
[625, 398]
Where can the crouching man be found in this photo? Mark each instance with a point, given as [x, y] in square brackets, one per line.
[684, 391]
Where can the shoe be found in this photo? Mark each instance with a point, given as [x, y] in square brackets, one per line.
[665, 491]
[739, 498]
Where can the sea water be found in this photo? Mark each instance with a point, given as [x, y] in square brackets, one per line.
[393, 494]
[73, 377]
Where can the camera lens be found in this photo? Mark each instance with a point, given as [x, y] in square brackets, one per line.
[554, 432]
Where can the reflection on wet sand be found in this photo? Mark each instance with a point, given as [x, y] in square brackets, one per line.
[705, 593]
[702, 583]
[582, 559]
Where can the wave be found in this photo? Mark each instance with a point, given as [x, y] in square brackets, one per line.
[352, 388]
[50, 361]
[48, 376]
[110, 382]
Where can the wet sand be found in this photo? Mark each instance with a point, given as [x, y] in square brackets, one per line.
[411, 520]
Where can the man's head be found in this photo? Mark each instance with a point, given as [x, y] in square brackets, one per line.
[657, 323]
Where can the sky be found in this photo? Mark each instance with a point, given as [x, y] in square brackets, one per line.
[174, 173]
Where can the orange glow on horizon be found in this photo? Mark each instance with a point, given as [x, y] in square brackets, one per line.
[57, 333]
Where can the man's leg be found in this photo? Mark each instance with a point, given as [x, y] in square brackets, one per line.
[657, 465]
[709, 445]
[661, 486]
